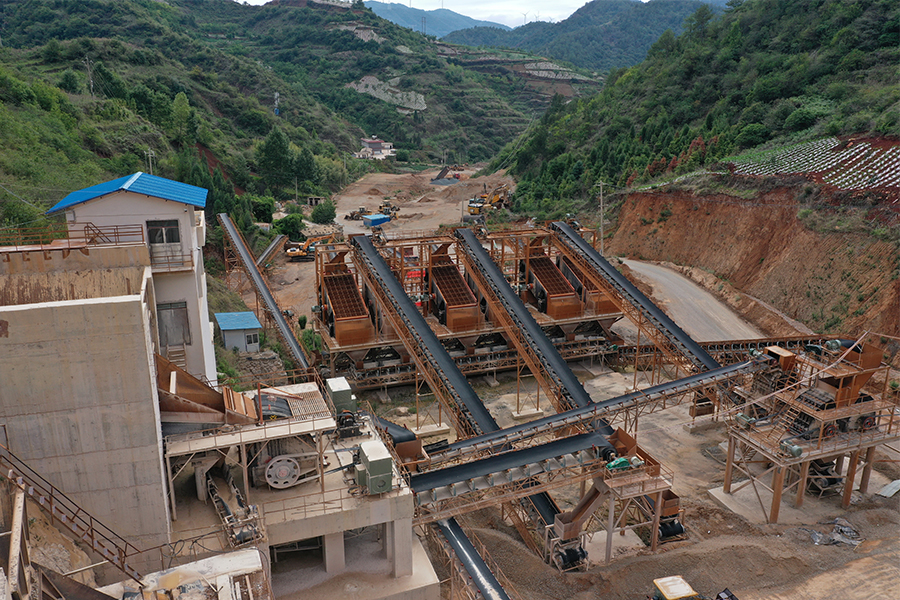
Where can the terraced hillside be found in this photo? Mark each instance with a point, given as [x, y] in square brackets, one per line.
[847, 164]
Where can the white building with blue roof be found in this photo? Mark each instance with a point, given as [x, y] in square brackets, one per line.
[239, 330]
[174, 226]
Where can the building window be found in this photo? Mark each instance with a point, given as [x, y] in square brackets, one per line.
[174, 329]
[252, 338]
[163, 232]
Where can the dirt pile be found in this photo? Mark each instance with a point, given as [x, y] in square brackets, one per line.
[843, 282]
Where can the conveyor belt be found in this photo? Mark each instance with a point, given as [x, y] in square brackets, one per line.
[278, 241]
[421, 482]
[454, 382]
[630, 293]
[284, 330]
[556, 368]
[599, 409]
[481, 575]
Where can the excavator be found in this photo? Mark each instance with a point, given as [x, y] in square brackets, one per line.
[496, 198]
[307, 250]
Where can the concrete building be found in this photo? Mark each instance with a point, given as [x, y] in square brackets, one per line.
[239, 330]
[171, 216]
[79, 398]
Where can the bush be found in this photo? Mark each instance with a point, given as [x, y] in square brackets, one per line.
[301, 321]
[323, 213]
[291, 226]
[751, 135]
[800, 119]
[403, 155]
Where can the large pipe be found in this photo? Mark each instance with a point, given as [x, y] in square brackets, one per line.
[287, 334]
[481, 575]
[667, 326]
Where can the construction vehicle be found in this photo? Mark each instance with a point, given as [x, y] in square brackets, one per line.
[356, 215]
[496, 198]
[307, 250]
[386, 208]
[675, 587]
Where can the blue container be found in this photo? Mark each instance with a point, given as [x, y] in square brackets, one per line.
[376, 219]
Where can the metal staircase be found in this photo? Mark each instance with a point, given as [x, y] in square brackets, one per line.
[63, 510]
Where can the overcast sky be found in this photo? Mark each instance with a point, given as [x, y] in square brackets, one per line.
[508, 12]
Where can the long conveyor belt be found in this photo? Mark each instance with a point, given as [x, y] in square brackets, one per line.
[481, 575]
[542, 347]
[284, 330]
[454, 382]
[630, 293]
[270, 249]
[598, 410]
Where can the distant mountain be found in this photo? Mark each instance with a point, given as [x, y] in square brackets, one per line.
[438, 22]
[601, 35]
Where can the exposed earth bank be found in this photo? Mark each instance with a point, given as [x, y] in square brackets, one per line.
[751, 239]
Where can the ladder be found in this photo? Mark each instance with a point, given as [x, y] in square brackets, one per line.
[63, 510]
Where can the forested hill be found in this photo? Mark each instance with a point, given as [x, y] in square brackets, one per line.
[766, 71]
[438, 22]
[601, 35]
[180, 76]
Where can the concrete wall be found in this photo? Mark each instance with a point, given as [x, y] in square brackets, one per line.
[79, 404]
[32, 277]
[129, 208]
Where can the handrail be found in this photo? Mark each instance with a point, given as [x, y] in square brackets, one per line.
[103, 540]
[60, 236]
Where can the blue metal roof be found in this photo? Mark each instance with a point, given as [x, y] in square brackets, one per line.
[139, 183]
[237, 320]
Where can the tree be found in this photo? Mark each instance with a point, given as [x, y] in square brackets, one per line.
[274, 159]
[69, 82]
[291, 226]
[304, 166]
[323, 213]
[181, 119]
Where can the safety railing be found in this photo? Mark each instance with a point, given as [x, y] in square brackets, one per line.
[73, 235]
[172, 262]
[63, 510]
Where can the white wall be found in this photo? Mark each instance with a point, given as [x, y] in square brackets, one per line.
[129, 208]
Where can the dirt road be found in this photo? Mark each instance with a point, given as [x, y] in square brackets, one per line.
[699, 313]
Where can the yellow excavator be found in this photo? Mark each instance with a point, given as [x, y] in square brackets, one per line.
[496, 198]
[307, 249]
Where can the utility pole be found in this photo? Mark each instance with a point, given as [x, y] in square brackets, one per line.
[277, 98]
[423, 25]
[602, 218]
[87, 63]
[150, 154]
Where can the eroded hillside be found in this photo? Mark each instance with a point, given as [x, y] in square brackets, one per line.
[781, 241]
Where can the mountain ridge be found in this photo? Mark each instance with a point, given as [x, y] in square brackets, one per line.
[438, 22]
